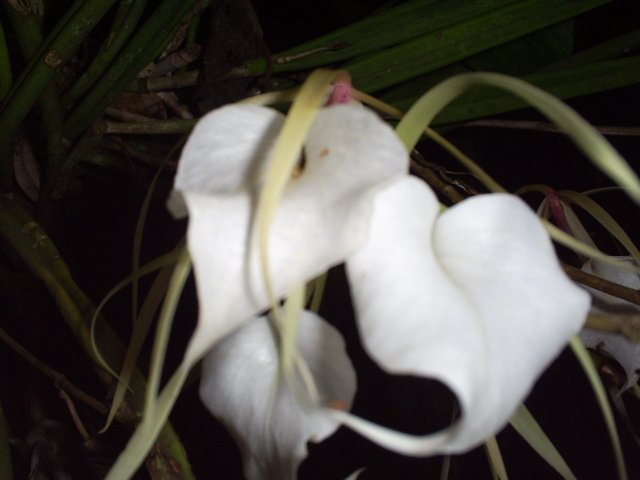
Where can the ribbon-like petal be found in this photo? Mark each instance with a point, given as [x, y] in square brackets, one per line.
[270, 423]
[474, 297]
[322, 217]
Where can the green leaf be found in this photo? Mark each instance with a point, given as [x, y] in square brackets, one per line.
[404, 22]
[461, 40]
[525, 424]
[527, 54]
[582, 354]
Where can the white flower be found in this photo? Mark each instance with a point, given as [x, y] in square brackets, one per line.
[473, 297]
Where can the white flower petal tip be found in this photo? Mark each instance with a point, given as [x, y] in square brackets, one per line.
[474, 297]
[626, 352]
[322, 217]
[271, 424]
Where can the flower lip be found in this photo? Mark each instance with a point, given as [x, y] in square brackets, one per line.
[478, 299]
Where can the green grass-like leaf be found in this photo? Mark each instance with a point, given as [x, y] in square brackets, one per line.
[586, 138]
[524, 423]
[582, 354]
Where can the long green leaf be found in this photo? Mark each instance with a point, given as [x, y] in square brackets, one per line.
[605, 51]
[527, 54]
[400, 24]
[582, 354]
[448, 45]
[525, 424]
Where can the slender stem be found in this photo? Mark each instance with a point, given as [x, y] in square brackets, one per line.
[154, 84]
[627, 325]
[74, 415]
[615, 289]
[58, 378]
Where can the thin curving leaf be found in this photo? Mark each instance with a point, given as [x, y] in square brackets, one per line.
[142, 320]
[524, 423]
[356, 474]
[140, 330]
[585, 136]
[166, 259]
[494, 456]
[157, 408]
[568, 82]
[587, 250]
[288, 149]
[317, 292]
[293, 306]
[583, 356]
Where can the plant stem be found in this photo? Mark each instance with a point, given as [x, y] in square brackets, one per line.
[58, 378]
[605, 286]
[154, 84]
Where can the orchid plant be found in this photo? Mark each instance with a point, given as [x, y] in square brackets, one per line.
[472, 296]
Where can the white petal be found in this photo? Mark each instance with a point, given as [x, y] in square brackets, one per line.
[269, 423]
[474, 298]
[322, 217]
[626, 352]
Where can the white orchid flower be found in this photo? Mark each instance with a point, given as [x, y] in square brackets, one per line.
[474, 298]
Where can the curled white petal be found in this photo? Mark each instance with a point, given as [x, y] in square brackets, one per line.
[271, 424]
[626, 352]
[474, 297]
[322, 217]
